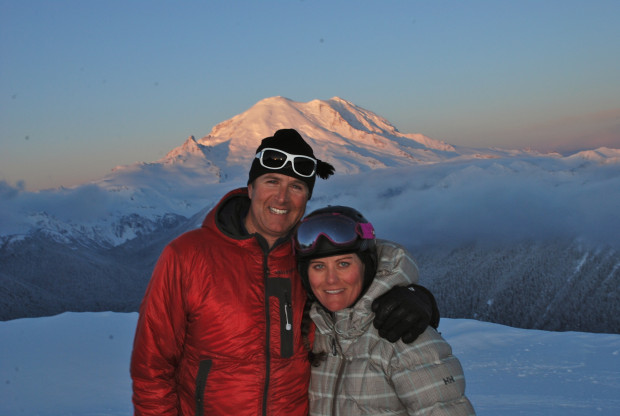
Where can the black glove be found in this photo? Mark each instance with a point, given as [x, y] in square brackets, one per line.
[405, 312]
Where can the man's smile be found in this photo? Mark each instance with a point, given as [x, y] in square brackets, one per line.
[278, 211]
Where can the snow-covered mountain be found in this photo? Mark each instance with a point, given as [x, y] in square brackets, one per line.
[353, 139]
[485, 224]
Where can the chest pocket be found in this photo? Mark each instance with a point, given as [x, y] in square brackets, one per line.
[280, 289]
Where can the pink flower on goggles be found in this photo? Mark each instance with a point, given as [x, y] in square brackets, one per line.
[340, 230]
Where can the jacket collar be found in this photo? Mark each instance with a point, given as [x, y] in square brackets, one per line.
[229, 218]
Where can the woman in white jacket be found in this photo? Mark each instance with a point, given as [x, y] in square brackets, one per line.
[356, 372]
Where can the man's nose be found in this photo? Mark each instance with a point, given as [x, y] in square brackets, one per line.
[282, 194]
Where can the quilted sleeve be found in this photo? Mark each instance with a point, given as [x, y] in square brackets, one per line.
[428, 379]
[158, 341]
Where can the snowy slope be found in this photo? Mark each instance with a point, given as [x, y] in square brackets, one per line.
[78, 364]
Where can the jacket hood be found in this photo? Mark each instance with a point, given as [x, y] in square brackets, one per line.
[229, 213]
[391, 271]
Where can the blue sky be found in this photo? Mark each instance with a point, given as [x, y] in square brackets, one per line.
[88, 85]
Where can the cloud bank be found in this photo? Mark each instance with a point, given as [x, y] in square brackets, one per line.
[496, 201]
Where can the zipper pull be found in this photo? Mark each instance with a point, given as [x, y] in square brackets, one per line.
[287, 307]
[288, 324]
[334, 352]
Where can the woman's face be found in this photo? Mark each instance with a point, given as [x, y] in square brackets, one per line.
[336, 281]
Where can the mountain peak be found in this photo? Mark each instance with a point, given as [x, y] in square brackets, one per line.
[352, 138]
[189, 149]
[603, 155]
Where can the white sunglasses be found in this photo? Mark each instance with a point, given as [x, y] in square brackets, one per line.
[271, 158]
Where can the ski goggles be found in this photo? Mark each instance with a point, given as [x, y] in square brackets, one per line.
[340, 230]
[271, 158]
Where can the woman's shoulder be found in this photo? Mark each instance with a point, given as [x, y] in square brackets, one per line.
[395, 264]
[390, 252]
[387, 247]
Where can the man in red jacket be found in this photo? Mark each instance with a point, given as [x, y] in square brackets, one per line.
[219, 326]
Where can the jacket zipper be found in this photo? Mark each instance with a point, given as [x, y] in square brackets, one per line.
[288, 311]
[338, 377]
[267, 338]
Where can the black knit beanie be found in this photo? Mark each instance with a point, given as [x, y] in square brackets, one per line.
[289, 141]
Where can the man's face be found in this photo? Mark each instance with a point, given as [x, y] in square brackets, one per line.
[278, 204]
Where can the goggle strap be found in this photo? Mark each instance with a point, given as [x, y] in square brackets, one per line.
[368, 231]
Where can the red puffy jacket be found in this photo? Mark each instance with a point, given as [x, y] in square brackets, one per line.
[219, 325]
